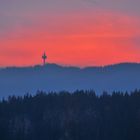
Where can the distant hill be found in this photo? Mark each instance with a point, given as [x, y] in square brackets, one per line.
[52, 77]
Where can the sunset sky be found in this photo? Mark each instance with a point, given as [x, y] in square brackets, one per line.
[72, 32]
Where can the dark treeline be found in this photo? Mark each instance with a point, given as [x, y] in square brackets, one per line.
[65, 116]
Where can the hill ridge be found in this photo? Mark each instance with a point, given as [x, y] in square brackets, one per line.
[53, 77]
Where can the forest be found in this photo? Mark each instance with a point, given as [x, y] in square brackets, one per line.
[81, 115]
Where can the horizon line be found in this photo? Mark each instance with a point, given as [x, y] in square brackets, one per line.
[67, 65]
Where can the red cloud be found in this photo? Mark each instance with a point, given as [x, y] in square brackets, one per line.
[75, 39]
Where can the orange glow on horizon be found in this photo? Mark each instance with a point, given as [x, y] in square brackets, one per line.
[96, 41]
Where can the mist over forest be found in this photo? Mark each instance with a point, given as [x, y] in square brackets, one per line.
[52, 77]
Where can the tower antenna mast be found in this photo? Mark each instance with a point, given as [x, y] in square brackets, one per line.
[44, 57]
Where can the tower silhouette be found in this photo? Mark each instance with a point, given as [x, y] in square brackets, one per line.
[44, 57]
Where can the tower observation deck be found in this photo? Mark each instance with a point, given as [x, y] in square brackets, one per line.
[44, 57]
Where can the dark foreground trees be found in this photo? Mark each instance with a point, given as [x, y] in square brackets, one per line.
[64, 116]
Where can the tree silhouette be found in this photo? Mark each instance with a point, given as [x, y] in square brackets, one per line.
[71, 116]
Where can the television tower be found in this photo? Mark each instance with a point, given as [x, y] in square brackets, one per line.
[44, 57]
